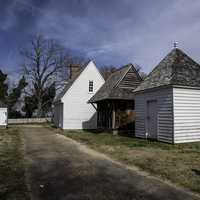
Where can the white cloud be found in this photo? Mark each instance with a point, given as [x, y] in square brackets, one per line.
[147, 46]
[142, 36]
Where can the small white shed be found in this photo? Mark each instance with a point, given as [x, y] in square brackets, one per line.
[3, 115]
[167, 102]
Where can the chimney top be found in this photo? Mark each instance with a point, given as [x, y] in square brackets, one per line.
[74, 70]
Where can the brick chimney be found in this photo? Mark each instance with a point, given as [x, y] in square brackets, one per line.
[74, 70]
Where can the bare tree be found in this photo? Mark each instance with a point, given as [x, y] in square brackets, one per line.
[142, 74]
[43, 61]
[107, 70]
[69, 60]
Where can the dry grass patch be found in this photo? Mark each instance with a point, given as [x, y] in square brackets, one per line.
[12, 178]
[178, 163]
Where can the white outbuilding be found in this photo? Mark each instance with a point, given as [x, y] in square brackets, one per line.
[3, 115]
[167, 102]
[71, 108]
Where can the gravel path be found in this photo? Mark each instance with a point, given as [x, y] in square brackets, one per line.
[61, 169]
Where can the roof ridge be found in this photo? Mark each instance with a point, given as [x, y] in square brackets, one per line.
[124, 66]
[186, 55]
[114, 74]
[175, 68]
[136, 71]
[109, 91]
[158, 65]
[149, 76]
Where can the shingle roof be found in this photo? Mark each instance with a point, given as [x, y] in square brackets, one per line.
[114, 87]
[176, 68]
[70, 83]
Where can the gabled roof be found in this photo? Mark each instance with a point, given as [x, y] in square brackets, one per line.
[176, 68]
[70, 83]
[119, 85]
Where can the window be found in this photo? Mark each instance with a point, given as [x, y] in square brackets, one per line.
[90, 86]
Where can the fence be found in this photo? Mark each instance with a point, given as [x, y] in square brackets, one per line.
[29, 120]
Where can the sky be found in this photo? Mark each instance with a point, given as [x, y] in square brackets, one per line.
[111, 32]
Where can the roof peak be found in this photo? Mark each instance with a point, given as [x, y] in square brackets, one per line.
[71, 81]
[177, 68]
[177, 53]
[176, 50]
[111, 89]
[124, 66]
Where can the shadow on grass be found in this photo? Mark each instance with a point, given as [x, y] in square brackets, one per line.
[196, 171]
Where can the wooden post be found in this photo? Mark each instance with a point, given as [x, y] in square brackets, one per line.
[95, 107]
[113, 116]
[114, 119]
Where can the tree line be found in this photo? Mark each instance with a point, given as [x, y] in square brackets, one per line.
[44, 71]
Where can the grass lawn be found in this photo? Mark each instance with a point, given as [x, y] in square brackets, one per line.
[12, 178]
[178, 163]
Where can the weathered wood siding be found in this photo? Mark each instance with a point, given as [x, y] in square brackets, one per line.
[58, 115]
[186, 115]
[77, 113]
[131, 80]
[164, 99]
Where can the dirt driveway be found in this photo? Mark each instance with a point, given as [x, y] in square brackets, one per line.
[61, 169]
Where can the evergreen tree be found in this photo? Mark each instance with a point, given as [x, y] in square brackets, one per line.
[3, 87]
[14, 97]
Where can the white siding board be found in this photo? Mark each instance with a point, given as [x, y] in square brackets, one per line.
[186, 115]
[164, 99]
[187, 140]
[77, 113]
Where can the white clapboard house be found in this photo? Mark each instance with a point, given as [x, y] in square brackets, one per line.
[3, 115]
[167, 102]
[71, 110]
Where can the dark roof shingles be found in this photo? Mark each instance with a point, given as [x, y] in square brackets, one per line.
[175, 69]
[110, 89]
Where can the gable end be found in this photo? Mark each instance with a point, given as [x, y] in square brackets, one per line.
[131, 80]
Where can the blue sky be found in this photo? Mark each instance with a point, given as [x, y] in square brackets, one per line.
[113, 32]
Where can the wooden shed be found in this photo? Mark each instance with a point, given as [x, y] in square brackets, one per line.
[167, 102]
[115, 100]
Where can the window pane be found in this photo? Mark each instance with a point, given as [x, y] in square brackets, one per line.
[90, 86]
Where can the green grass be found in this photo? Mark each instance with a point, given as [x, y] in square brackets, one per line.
[12, 177]
[178, 163]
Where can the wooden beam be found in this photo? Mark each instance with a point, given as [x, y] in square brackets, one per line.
[113, 116]
[94, 106]
[114, 130]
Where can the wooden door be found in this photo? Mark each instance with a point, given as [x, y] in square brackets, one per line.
[152, 119]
